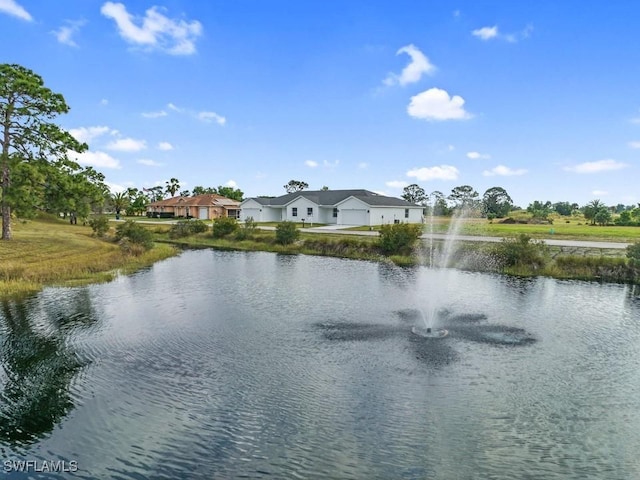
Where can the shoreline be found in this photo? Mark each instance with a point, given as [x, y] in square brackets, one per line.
[49, 254]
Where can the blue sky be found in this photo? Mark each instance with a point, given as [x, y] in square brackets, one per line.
[541, 98]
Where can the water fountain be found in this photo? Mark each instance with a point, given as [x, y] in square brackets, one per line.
[430, 316]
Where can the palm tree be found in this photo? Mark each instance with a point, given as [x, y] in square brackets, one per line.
[591, 209]
[173, 186]
[120, 202]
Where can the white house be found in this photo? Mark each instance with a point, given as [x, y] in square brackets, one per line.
[341, 207]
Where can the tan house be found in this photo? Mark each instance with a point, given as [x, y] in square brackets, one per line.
[203, 207]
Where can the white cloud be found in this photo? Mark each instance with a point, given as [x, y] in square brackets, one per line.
[478, 156]
[114, 187]
[65, 33]
[634, 144]
[396, 184]
[154, 30]
[211, 116]
[326, 164]
[149, 163]
[486, 33]
[166, 146]
[599, 193]
[13, 8]
[127, 145]
[231, 183]
[203, 116]
[597, 166]
[95, 159]
[635, 120]
[436, 104]
[363, 165]
[503, 171]
[412, 73]
[311, 163]
[86, 134]
[439, 172]
[158, 114]
[104, 102]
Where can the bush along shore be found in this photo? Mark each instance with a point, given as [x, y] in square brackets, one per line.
[399, 243]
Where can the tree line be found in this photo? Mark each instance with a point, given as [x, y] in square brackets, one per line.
[135, 201]
[36, 171]
[496, 203]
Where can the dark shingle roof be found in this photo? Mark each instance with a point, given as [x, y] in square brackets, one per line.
[333, 197]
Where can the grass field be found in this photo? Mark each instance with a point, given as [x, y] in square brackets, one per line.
[566, 229]
[53, 252]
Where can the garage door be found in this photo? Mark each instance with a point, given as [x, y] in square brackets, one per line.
[202, 214]
[353, 217]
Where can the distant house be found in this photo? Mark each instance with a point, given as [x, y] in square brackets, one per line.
[203, 207]
[341, 207]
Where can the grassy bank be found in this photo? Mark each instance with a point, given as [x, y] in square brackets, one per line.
[55, 253]
[52, 252]
[510, 258]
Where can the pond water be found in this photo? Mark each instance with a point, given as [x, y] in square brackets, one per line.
[256, 365]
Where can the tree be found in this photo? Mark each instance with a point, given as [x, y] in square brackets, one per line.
[200, 190]
[154, 194]
[439, 204]
[184, 193]
[591, 209]
[540, 210]
[563, 208]
[496, 202]
[230, 192]
[414, 194]
[464, 197]
[172, 186]
[295, 186]
[602, 216]
[324, 188]
[119, 201]
[28, 137]
[137, 201]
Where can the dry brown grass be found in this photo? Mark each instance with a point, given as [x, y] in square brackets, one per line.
[56, 253]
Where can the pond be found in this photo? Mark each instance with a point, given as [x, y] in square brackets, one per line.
[254, 365]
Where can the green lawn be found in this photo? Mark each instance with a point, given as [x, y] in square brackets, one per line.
[574, 228]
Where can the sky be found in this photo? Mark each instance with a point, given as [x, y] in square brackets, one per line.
[539, 98]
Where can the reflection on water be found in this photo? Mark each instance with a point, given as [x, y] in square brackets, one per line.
[234, 365]
[38, 366]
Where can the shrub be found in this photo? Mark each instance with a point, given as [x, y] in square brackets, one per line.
[398, 238]
[286, 233]
[130, 248]
[184, 228]
[633, 254]
[247, 230]
[134, 233]
[522, 250]
[99, 225]
[224, 226]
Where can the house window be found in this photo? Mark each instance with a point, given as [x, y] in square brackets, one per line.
[335, 213]
[294, 211]
[309, 211]
[406, 213]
